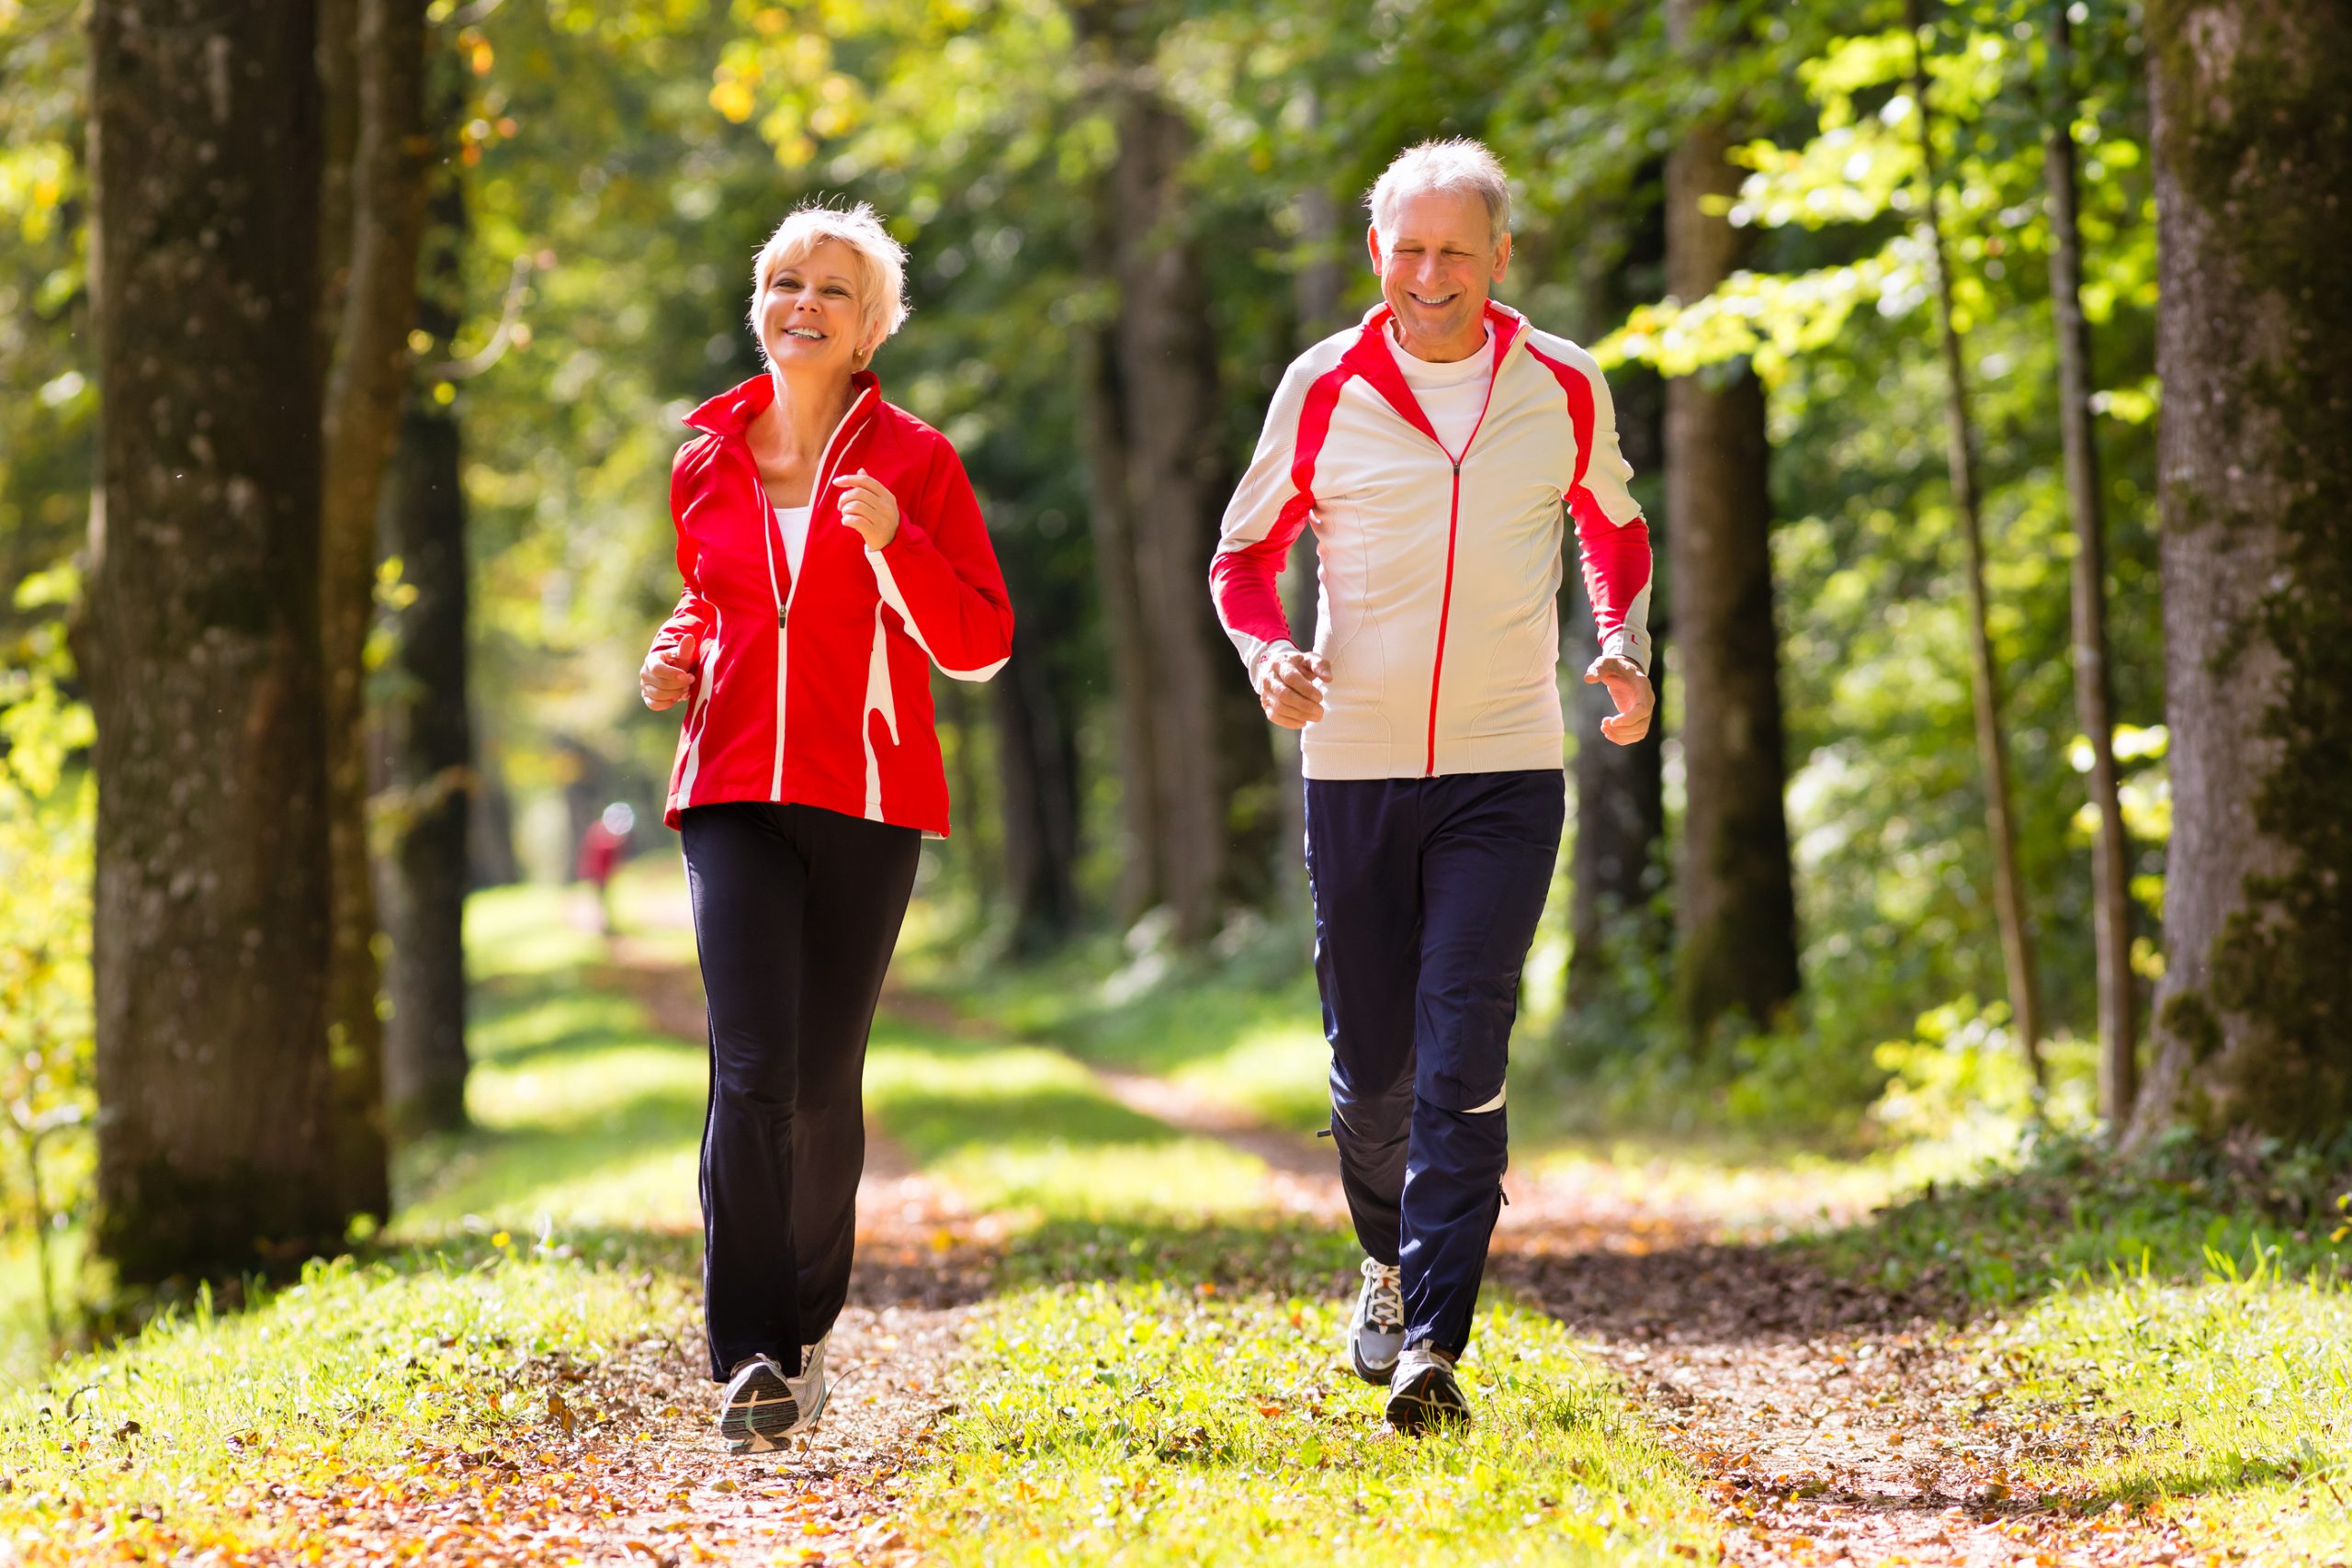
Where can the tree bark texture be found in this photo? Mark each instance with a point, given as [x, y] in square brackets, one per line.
[2252, 155]
[1616, 859]
[1734, 900]
[2094, 687]
[216, 1132]
[1992, 741]
[367, 385]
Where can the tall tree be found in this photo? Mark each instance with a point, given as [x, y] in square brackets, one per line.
[1617, 854]
[1992, 739]
[2094, 686]
[2252, 119]
[1164, 358]
[217, 1139]
[1734, 900]
[426, 722]
[384, 196]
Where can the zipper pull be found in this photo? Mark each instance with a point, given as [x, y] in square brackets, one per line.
[780, 613]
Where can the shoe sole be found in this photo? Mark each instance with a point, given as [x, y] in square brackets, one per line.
[762, 1411]
[1433, 1399]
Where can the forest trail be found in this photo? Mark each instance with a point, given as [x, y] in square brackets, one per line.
[1827, 1423]
[1831, 1423]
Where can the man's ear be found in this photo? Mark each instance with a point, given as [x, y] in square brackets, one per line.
[1502, 258]
[1372, 244]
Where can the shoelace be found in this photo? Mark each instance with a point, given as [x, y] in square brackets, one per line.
[1387, 1309]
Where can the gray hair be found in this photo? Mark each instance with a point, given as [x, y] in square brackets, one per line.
[1459, 164]
[881, 261]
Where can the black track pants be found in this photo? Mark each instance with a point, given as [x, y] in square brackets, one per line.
[795, 912]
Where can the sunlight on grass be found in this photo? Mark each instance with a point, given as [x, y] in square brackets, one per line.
[1022, 1127]
[191, 1421]
[2237, 1393]
[1154, 1422]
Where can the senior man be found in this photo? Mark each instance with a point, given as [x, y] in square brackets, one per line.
[1439, 449]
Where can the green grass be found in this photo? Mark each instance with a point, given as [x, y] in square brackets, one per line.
[350, 1369]
[1232, 1031]
[2195, 1303]
[2229, 1401]
[1182, 1422]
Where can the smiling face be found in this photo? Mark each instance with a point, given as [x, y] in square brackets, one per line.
[1436, 270]
[811, 315]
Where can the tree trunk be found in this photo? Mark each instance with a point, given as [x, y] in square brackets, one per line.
[2094, 690]
[2252, 155]
[365, 388]
[1734, 900]
[1102, 424]
[426, 730]
[1614, 860]
[1166, 364]
[1037, 773]
[1992, 741]
[216, 1134]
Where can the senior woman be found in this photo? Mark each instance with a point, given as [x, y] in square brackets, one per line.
[832, 552]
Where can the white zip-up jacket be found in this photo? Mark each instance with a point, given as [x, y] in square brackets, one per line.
[1438, 570]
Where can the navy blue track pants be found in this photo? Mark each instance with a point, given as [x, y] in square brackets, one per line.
[795, 911]
[1427, 892]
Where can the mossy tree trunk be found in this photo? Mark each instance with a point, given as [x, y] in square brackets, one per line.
[2252, 110]
[216, 1135]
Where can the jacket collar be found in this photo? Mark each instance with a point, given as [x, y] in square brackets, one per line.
[730, 412]
[1369, 357]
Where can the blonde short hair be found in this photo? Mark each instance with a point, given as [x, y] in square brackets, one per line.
[1458, 164]
[881, 261]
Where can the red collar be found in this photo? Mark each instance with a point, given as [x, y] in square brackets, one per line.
[730, 412]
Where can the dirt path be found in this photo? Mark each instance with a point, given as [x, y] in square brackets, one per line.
[1832, 1424]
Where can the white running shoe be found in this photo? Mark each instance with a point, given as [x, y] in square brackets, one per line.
[1424, 1394]
[1376, 1332]
[811, 1388]
[759, 1407]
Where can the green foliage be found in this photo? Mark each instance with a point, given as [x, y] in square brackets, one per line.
[46, 1078]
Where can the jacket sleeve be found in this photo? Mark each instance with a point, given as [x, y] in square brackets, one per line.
[1269, 508]
[939, 572]
[1610, 533]
[693, 617]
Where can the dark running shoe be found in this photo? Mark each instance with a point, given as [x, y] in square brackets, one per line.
[758, 1408]
[1424, 1394]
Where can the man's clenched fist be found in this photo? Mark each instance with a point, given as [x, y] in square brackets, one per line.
[1291, 685]
[1630, 690]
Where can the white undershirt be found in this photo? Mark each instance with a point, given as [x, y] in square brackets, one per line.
[793, 521]
[1454, 394]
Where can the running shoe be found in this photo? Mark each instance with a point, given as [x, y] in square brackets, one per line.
[811, 1388]
[1424, 1394]
[1376, 1332]
[759, 1407]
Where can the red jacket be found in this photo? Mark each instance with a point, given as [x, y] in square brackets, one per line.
[816, 689]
